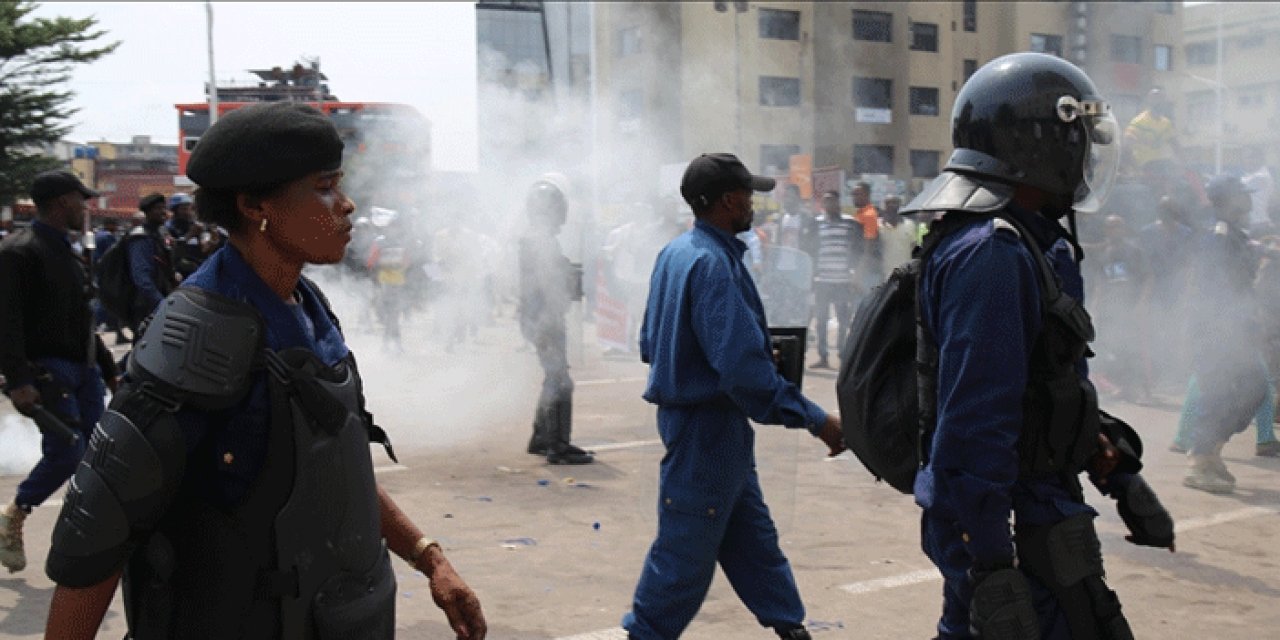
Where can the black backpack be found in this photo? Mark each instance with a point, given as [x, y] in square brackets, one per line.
[116, 290]
[879, 384]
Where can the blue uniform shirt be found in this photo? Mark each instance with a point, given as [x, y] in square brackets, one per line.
[227, 449]
[705, 336]
[980, 298]
[142, 268]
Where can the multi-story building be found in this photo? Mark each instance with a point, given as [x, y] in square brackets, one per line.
[124, 172]
[1248, 86]
[533, 65]
[866, 87]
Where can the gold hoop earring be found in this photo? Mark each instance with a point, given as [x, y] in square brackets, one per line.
[263, 227]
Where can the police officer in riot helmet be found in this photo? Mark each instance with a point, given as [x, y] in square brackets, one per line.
[548, 284]
[1010, 417]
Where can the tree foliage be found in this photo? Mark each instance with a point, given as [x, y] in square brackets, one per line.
[37, 56]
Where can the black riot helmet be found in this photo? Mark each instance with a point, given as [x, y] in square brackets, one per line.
[546, 203]
[1038, 120]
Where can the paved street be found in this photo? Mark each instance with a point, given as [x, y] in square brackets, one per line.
[554, 552]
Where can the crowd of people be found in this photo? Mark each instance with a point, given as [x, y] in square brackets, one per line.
[229, 484]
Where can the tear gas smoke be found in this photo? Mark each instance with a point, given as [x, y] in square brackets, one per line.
[21, 445]
[464, 371]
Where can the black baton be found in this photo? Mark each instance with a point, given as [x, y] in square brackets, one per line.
[51, 425]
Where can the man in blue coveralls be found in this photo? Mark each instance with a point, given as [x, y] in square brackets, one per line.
[1005, 338]
[711, 368]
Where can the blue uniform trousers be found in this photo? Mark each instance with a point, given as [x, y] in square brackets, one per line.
[84, 404]
[710, 511]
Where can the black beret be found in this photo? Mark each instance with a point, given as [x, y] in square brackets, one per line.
[263, 145]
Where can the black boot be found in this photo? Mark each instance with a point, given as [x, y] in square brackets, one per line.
[543, 430]
[536, 446]
[798, 633]
[562, 451]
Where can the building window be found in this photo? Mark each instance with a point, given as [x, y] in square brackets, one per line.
[970, 68]
[924, 101]
[873, 158]
[1253, 42]
[779, 92]
[1202, 53]
[971, 15]
[924, 164]
[1046, 43]
[874, 26]
[1164, 57]
[1252, 97]
[628, 42]
[873, 93]
[776, 24]
[1126, 49]
[776, 158]
[924, 36]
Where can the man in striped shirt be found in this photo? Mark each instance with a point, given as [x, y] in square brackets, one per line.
[833, 274]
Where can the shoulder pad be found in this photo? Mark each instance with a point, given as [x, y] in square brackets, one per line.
[1001, 223]
[202, 346]
[952, 191]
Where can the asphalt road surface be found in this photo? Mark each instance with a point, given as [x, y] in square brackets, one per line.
[554, 552]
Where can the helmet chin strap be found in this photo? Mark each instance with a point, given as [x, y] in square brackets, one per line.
[1058, 207]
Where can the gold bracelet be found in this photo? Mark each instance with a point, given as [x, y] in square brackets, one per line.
[420, 549]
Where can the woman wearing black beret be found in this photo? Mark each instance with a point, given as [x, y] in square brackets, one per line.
[231, 481]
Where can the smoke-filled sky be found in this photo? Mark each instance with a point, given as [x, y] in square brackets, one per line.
[421, 54]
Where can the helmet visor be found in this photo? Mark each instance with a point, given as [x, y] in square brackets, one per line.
[1100, 160]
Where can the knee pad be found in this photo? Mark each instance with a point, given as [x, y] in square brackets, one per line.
[1067, 558]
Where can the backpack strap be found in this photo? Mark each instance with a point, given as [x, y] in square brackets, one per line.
[1053, 300]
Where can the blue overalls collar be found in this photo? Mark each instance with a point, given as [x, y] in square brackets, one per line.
[1044, 231]
[226, 272]
[735, 246]
[51, 232]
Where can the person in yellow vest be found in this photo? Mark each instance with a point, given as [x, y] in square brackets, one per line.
[390, 260]
[1150, 139]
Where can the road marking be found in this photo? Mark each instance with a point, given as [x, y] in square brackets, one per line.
[1191, 524]
[900, 580]
[589, 383]
[635, 444]
[390, 469]
[615, 633]
[932, 575]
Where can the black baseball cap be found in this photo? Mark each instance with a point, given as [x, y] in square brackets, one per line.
[51, 184]
[150, 200]
[710, 175]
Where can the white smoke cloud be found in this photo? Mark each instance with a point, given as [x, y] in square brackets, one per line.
[19, 444]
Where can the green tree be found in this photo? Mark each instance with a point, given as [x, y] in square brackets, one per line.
[36, 59]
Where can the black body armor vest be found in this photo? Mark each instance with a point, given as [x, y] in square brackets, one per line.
[302, 556]
[1060, 406]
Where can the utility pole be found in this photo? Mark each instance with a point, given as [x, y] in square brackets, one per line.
[1217, 145]
[213, 81]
